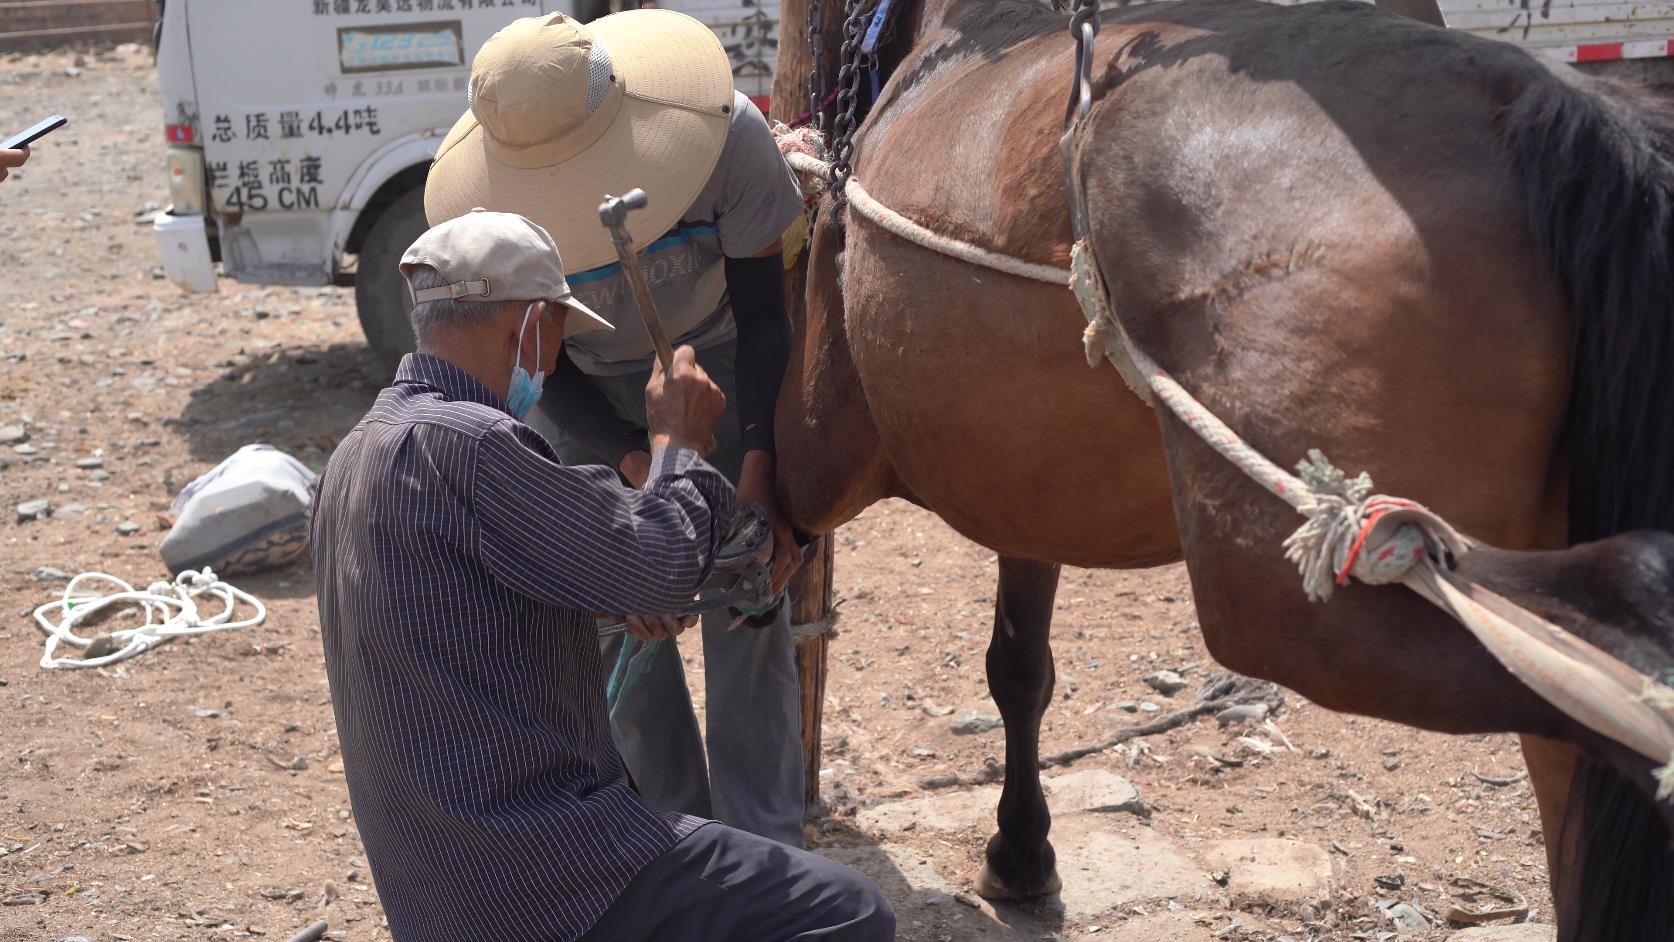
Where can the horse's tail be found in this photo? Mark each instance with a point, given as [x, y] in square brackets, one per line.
[1597, 162]
[1597, 165]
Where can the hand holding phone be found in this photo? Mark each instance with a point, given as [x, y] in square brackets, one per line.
[10, 159]
[25, 138]
[14, 150]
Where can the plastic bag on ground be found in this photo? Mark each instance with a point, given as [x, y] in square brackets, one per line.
[248, 514]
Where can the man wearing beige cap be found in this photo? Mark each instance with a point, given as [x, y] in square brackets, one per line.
[459, 566]
[563, 114]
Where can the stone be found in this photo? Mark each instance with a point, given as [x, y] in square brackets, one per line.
[33, 510]
[972, 724]
[1103, 871]
[26, 450]
[99, 476]
[1167, 683]
[299, 764]
[70, 510]
[127, 528]
[1094, 791]
[1406, 918]
[13, 434]
[1085, 792]
[1128, 706]
[49, 574]
[1182, 926]
[1244, 714]
[1147, 706]
[1271, 870]
[88, 464]
[1527, 932]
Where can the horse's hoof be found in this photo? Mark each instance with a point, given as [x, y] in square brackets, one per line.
[989, 886]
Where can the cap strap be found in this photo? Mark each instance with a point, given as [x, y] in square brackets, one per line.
[459, 289]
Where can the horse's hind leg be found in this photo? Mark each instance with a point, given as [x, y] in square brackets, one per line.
[1020, 862]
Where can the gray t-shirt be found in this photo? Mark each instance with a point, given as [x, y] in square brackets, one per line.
[749, 201]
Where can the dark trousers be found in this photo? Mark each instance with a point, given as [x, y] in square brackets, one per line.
[725, 885]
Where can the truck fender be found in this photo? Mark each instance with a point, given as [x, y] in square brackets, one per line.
[384, 164]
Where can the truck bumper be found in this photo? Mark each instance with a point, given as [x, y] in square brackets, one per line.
[183, 242]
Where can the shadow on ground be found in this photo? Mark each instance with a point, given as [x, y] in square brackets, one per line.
[929, 906]
[300, 399]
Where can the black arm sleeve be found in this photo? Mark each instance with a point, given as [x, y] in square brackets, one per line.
[584, 414]
[756, 287]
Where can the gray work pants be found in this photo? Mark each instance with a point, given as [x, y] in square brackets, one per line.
[722, 885]
[754, 775]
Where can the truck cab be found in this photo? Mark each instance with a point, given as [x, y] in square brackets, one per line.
[300, 132]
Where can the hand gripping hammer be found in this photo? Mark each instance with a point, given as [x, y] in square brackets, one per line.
[613, 212]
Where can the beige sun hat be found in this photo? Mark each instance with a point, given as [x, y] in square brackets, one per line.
[563, 115]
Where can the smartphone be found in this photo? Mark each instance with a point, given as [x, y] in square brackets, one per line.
[35, 133]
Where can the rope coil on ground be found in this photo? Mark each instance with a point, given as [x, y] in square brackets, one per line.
[171, 611]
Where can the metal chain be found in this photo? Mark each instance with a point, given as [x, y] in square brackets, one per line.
[1084, 27]
[816, 73]
[853, 63]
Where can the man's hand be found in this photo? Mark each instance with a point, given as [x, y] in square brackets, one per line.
[756, 486]
[658, 627]
[683, 407]
[636, 467]
[12, 159]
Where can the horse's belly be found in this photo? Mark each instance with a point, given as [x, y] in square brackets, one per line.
[985, 404]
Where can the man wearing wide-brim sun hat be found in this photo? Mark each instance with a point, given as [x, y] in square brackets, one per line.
[563, 114]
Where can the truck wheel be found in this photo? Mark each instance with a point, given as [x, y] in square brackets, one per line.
[380, 291]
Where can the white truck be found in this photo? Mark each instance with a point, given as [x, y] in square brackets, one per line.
[300, 132]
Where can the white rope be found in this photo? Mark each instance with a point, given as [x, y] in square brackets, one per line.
[1383, 540]
[1349, 531]
[171, 611]
[893, 222]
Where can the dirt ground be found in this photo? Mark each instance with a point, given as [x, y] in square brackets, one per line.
[196, 793]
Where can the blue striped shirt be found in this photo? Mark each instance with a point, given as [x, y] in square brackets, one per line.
[459, 567]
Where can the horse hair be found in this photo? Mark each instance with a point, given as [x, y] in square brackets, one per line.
[1597, 161]
[1622, 891]
[1597, 164]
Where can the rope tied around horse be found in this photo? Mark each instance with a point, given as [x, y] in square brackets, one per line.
[1349, 532]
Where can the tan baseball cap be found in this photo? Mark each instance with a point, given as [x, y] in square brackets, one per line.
[564, 114]
[497, 257]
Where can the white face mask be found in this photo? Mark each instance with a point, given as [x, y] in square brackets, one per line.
[525, 390]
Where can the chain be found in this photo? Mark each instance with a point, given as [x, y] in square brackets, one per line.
[1084, 26]
[816, 51]
[854, 62]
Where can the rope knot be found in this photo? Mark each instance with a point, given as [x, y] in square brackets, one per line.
[1352, 532]
[1103, 338]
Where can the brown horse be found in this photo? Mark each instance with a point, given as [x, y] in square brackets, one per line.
[1432, 256]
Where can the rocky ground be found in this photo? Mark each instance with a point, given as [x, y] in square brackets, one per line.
[196, 793]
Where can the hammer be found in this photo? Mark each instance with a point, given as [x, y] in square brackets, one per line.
[613, 213]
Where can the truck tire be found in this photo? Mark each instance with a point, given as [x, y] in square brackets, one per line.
[381, 297]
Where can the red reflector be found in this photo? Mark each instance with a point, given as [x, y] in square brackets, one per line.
[1598, 52]
[178, 133]
[761, 102]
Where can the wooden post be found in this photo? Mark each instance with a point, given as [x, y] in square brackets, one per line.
[811, 590]
[811, 604]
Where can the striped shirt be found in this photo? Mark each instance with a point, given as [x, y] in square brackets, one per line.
[459, 567]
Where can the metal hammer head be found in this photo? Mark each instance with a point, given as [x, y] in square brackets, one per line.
[613, 212]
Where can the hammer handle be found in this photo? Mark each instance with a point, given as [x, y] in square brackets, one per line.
[629, 255]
